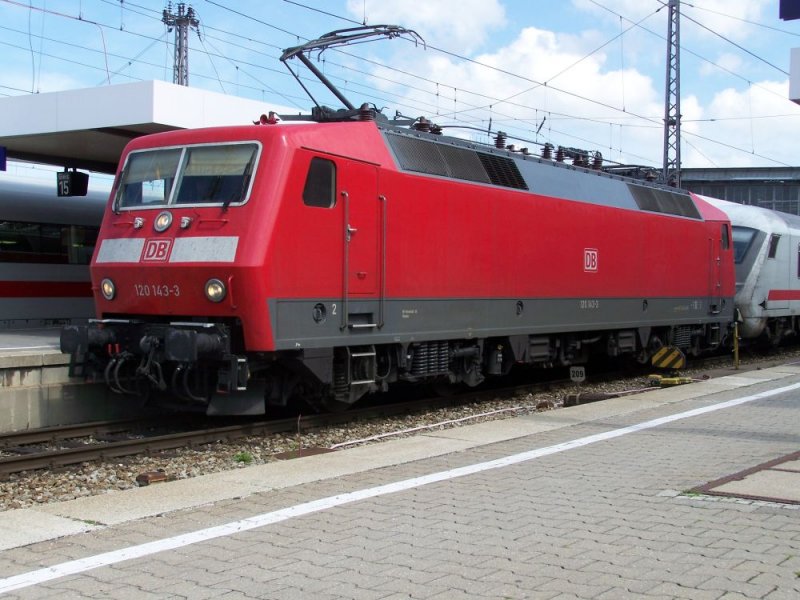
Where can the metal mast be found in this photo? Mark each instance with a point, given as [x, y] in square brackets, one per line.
[672, 102]
[181, 22]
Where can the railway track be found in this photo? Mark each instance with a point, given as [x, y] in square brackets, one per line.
[33, 449]
[55, 447]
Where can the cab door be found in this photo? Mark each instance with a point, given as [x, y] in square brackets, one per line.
[363, 239]
[716, 249]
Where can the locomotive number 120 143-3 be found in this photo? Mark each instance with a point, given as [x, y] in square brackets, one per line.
[146, 290]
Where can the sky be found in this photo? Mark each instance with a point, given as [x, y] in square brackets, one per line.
[587, 74]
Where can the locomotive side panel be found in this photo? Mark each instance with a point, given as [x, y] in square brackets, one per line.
[327, 263]
[465, 260]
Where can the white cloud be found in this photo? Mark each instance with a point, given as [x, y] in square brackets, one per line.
[748, 124]
[725, 17]
[729, 63]
[459, 26]
[581, 97]
[594, 102]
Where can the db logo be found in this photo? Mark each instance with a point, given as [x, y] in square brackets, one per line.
[156, 250]
[590, 259]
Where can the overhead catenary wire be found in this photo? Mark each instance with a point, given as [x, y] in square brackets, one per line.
[687, 49]
[461, 97]
[470, 60]
[739, 46]
[733, 18]
[723, 144]
[653, 120]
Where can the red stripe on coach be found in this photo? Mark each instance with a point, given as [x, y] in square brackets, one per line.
[784, 295]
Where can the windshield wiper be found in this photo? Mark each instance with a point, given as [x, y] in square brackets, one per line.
[245, 183]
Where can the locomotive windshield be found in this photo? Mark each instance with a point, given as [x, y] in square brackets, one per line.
[191, 175]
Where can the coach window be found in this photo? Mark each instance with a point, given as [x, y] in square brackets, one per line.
[742, 239]
[773, 245]
[320, 187]
[26, 242]
[798, 261]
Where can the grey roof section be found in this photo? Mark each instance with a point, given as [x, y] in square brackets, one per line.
[734, 208]
[537, 175]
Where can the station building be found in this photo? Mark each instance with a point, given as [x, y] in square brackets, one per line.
[775, 188]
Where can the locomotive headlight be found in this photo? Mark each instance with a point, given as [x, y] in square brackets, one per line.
[108, 289]
[163, 220]
[215, 290]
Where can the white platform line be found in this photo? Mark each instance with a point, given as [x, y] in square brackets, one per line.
[82, 565]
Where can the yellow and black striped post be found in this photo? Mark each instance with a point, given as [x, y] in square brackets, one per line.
[669, 357]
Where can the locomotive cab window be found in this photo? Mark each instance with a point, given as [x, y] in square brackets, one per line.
[214, 174]
[147, 178]
[320, 187]
[193, 175]
[726, 239]
[773, 245]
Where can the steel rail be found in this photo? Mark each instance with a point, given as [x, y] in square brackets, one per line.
[115, 449]
[58, 433]
[298, 424]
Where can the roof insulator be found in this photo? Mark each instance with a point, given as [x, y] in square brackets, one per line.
[365, 113]
[422, 124]
[272, 119]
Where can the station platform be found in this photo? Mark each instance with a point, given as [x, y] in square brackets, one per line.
[609, 500]
[37, 389]
[29, 341]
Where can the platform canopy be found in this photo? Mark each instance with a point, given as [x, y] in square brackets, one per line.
[88, 128]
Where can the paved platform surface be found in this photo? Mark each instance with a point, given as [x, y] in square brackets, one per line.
[594, 501]
[29, 341]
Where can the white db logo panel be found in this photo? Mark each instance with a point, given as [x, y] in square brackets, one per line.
[156, 250]
[590, 259]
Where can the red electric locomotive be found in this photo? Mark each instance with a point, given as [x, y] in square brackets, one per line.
[239, 266]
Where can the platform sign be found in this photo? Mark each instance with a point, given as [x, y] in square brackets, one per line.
[789, 10]
[577, 374]
[2, 158]
[72, 183]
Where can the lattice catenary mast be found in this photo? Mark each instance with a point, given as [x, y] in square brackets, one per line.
[181, 22]
[672, 104]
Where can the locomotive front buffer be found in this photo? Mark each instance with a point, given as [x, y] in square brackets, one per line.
[191, 362]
